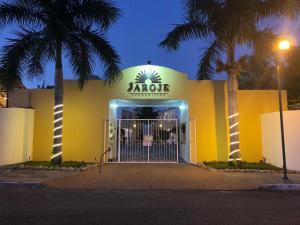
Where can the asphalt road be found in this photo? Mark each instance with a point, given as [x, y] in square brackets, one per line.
[88, 207]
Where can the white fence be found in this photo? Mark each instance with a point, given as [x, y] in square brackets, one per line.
[271, 139]
[16, 135]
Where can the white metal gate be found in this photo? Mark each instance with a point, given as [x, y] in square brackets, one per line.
[145, 140]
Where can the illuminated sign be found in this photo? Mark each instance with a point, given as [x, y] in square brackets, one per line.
[148, 83]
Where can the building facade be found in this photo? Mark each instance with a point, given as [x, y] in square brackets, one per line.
[197, 131]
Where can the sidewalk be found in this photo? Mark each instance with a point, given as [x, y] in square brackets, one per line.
[165, 177]
[147, 176]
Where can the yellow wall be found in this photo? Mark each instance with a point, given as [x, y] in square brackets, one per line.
[84, 115]
[202, 108]
[86, 110]
[251, 105]
[42, 101]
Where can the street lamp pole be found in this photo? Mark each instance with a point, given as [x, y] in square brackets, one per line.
[283, 46]
[7, 90]
[285, 177]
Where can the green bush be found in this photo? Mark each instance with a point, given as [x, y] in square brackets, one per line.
[75, 164]
[241, 165]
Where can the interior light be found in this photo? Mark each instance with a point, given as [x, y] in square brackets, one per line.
[114, 106]
[182, 107]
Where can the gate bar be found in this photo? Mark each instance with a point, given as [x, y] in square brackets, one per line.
[148, 141]
[119, 141]
[177, 139]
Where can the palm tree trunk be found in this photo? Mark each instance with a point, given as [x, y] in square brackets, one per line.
[58, 109]
[233, 106]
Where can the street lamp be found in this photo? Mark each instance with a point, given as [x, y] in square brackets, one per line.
[283, 46]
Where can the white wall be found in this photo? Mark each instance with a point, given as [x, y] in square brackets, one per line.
[16, 135]
[271, 138]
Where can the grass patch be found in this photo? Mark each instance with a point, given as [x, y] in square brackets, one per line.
[242, 165]
[74, 164]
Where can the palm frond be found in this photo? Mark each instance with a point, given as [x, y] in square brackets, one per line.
[80, 57]
[186, 31]
[277, 8]
[107, 54]
[41, 53]
[243, 63]
[66, 24]
[256, 73]
[201, 9]
[100, 12]
[22, 12]
[206, 69]
[14, 55]
[220, 66]
[243, 60]
[262, 42]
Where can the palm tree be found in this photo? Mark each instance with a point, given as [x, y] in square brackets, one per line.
[260, 73]
[227, 24]
[51, 29]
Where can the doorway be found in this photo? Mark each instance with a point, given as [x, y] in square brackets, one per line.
[148, 131]
[147, 140]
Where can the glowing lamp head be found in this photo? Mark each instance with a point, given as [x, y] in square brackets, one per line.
[284, 45]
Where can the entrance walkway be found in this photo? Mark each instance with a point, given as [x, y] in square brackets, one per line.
[165, 177]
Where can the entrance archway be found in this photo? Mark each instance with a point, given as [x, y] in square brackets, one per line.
[138, 138]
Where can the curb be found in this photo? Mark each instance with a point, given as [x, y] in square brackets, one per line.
[280, 187]
[21, 185]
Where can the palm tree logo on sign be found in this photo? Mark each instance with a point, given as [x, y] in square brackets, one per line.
[152, 75]
[148, 83]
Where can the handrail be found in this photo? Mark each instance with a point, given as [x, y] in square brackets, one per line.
[101, 158]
